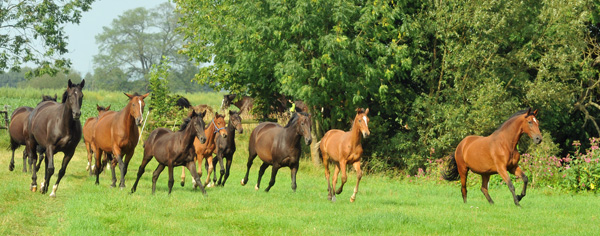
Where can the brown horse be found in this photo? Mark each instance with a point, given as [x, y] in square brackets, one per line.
[16, 130]
[245, 103]
[88, 131]
[278, 146]
[173, 149]
[344, 148]
[494, 154]
[55, 127]
[117, 133]
[225, 146]
[205, 150]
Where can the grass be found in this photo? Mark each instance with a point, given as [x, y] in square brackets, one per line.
[384, 205]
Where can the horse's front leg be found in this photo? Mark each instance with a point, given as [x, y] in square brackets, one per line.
[49, 169]
[358, 177]
[61, 172]
[32, 159]
[520, 174]
[504, 174]
[128, 157]
[192, 168]
[261, 171]
[344, 176]
[274, 170]
[211, 167]
[171, 180]
[294, 170]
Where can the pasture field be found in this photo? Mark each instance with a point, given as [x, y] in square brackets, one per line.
[384, 205]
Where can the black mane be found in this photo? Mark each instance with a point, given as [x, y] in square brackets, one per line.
[518, 113]
[294, 118]
[186, 122]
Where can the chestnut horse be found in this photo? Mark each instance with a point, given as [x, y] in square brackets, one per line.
[117, 133]
[225, 146]
[205, 150]
[55, 127]
[344, 148]
[16, 130]
[278, 146]
[494, 154]
[88, 131]
[173, 149]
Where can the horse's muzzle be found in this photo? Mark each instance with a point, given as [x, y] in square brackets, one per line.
[202, 140]
[76, 115]
[308, 141]
[138, 121]
[366, 134]
[537, 139]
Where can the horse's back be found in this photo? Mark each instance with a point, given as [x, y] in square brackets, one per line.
[102, 134]
[262, 139]
[88, 129]
[331, 142]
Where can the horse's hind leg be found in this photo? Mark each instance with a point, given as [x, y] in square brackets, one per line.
[227, 169]
[171, 180]
[192, 168]
[11, 166]
[485, 179]
[155, 175]
[261, 171]
[358, 177]
[520, 174]
[504, 174]
[251, 156]
[141, 170]
[24, 161]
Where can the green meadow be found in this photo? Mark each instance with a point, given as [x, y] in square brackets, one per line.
[384, 206]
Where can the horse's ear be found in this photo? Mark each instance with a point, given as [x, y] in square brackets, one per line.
[216, 114]
[535, 112]
[528, 112]
[82, 83]
[97, 107]
[203, 113]
[145, 95]
[231, 112]
[107, 107]
[55, 97]
[70, 83]
[367, 111]
[128, 95]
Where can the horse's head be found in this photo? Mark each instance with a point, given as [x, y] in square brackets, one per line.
[361, 120]
[136, 107]
[49, 98]
[73, 98]
[227, 100]
[101, 109]
[304, 126]
[531, 126]
[219, 123]
[236, 121]
[198, 123]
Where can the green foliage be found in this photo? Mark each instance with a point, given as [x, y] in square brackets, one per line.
[33, 32]
[161, 104]
[582, 170]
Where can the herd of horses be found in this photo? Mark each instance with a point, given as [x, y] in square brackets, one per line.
[111, 137]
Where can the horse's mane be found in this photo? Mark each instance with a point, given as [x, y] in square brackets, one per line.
[294, 118]
[186, 122]
[101, 108]
[518, 113]
[64, 96]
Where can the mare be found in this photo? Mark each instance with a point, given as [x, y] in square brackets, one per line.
[117, 133]
[16, 130]
[205, 149]
[88, 131]
[173, 149]
[245, 103]
[55, 127]
[494, 154]
[344, 148]
[181, 102]
[278, 146]
[225, 146]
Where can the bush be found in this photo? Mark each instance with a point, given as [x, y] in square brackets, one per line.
[582, 172]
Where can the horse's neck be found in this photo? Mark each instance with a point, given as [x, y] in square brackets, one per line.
[291, 134]
[511, 133]
[67, 114]
[210, 133]
[124, 117]
[188, 135]
[355, 135]
[239, 103]
[230, 132]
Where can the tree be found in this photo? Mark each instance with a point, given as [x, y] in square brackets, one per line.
[138, 39]
[33, 32]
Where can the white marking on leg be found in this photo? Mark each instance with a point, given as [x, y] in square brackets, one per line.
[42, 185]
[53, 194]
[256, 187]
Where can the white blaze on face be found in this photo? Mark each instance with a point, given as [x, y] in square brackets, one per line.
[534, 120]
[141, 112]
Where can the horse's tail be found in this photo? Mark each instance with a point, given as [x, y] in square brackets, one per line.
[451, 171]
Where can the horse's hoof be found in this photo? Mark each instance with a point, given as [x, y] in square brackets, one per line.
[256, 187]
[242, 182]
[182, 183]
[11, 167]
[333, 199]
[113, 185]
[352, 199]
[33, 188]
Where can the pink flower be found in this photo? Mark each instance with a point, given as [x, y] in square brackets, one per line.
[567, 167]
[587, 160]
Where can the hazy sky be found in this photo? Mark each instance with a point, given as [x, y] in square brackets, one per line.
[82, 43]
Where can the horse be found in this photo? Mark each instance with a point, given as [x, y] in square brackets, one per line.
[344, 148]
[88, 131]
[244, 104]
[278, 146]
[494, 154]
[205, 150]
[181, 102]
[55, 127]
[117, 133]
[173, 149]
[16, 131]
[225, 146]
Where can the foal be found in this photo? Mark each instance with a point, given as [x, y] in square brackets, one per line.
[344, 148]
[173, 149]
[225, 146]
[88, 131]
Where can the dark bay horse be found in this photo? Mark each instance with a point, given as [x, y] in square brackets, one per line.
[494, 154]
[245, 103]
[173, 149]
[117, 133]
[344, 148]
[88, 131]
[55, 127]
[205, 149]
[225, 146]
[16, 131]
[278, 146]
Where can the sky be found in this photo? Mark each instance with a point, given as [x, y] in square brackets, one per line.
[82, 42]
